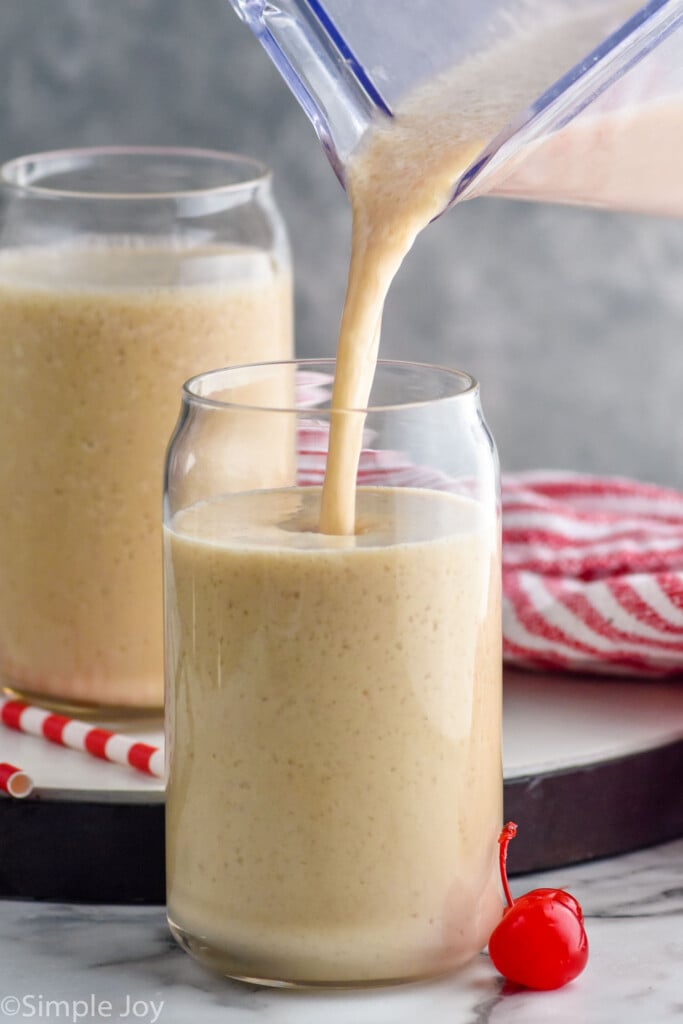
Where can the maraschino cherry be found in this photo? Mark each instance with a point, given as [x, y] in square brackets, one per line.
[540, 942]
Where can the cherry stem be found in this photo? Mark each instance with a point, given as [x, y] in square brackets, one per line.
[508, 832]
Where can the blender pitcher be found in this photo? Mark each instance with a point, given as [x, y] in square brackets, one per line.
[588, 93]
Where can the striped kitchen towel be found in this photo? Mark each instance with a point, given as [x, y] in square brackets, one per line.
[592, 574]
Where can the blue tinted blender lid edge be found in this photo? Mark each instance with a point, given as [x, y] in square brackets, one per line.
[350, 59]
[318, 30]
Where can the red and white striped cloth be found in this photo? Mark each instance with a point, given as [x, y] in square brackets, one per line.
[592, 574]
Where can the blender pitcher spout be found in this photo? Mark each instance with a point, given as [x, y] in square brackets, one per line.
[320, 66]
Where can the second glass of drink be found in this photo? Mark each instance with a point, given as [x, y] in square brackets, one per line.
[122, 273]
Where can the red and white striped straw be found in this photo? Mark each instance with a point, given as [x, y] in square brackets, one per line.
[14, 781]
[67, 732]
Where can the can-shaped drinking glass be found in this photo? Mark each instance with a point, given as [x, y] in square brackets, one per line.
[122, 273]
[333, 702]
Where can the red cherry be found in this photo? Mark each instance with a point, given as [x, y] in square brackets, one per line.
[540, 942]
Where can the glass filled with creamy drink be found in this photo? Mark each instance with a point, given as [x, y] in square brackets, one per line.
[122, 272]
[333, 700]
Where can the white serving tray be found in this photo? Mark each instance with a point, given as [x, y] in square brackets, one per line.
[552, 723]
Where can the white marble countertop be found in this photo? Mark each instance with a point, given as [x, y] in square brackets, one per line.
[92, 963]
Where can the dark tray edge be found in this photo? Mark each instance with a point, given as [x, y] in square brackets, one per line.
[65, 851]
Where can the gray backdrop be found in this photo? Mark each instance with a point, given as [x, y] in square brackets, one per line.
[571, 319]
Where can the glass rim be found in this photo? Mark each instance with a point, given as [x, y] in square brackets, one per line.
[189, 395]
[10, 171]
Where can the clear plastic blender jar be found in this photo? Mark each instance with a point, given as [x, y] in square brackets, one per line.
[595, 93]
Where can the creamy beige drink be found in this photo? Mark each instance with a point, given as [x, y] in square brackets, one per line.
[89, 384]
[335, 789]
